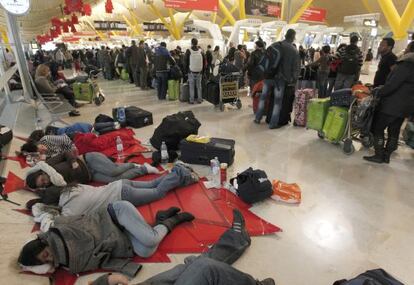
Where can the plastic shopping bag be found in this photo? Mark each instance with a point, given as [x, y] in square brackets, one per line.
[288, 193]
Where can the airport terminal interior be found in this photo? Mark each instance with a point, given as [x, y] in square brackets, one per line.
[124, 122]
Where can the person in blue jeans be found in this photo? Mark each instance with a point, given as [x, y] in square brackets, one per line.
[162, 61]
[287, 73]
[211, 268]
[194, 59]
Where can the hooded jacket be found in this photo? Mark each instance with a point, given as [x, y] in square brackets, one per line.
[162, 59]
[397, 95]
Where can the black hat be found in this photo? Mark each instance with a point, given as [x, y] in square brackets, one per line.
[31, 179]
[29, 252]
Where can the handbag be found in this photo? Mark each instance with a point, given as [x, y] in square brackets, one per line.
[253, 185]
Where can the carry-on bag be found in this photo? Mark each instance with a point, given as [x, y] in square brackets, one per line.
[83, 91]
[173, 90]
[6, 135]
[302, 97]
[285, 112]
[371, 277]
[342, 98]
[212, 92]
[335, 124]
[202, 153]
[137, 117]
[185, 93]
[316, 113]
[124, 74]
[175, 128]
[253, 185]
[408, 134]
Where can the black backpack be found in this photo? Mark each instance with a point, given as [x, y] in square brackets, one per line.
[175, 128]
[371, 277]
[102, 118]
[253, 185]
[271, 60]
[350, 62]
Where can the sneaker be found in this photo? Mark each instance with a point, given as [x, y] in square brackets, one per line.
[74, 114]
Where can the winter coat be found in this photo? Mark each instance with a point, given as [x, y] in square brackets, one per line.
[142, 57]
[162, 59]
[253, 70]
[90, 242]
[104, 143]
[290, 63]
[133, 55]
[44, 85]
[397, 95]
[62, 163]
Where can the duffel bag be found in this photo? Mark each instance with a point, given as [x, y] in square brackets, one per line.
[175, 128]
[342, 98]
[253, 185]
[371, 277]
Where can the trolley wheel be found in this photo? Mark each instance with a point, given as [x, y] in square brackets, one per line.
[348, 147]
[321, 135]
[98, 100]
[239, 104]
[221, 106]
[368, 141]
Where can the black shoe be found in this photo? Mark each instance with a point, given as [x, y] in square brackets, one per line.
[267, 281]
[176, 220]
[375, 158]
[379, 151]
[239, 225]
[163, 215]
[74, 113]
[390, 147]
[256, 121]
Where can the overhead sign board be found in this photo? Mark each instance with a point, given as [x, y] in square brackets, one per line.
[16, 7]
[314, 14]
[203, 5]
[110, 25]
[266, 8]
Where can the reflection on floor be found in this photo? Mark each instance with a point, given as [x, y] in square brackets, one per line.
[354, 215]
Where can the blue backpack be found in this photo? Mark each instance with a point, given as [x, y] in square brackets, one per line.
[270, 62]
[371, 277]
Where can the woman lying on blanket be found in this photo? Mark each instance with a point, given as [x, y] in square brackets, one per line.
[100, 240]
[67, 168]
[84, 199]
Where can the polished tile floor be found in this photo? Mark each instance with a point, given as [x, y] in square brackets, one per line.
[354, 215]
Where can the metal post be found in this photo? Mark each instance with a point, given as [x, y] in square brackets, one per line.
[16, 43]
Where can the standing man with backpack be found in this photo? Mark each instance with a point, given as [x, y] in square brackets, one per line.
[194, 58]
[352, 60]
[281, 66]
[142, 65]
[162, 62]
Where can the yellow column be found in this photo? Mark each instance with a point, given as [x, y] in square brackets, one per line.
[406, 19]
[214, 17]
[161, 17]
[226, 13]
[282, 12]
[185, 20]
[299, 13]
[133, 28]
[391, 14]
[367, 6]
[173, 24]
[242, 9]
[231, 11]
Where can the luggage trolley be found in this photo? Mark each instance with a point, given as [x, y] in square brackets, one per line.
[229, 90]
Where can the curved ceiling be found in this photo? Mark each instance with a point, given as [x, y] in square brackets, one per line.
[38, 20]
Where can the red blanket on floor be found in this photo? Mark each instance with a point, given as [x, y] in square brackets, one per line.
[106, 143]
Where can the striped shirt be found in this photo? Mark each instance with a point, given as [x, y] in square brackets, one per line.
[56, 144]
[342, 53]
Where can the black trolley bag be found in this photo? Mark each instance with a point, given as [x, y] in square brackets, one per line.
[371, 277]
[202, 153]
[137, 117]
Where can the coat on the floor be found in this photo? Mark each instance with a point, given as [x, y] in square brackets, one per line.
[63, 162]
[92, 242]
[397, 95]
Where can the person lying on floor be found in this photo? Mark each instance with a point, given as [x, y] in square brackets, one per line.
[104, 239]
[210, 268]
[83, 128]
[67, 168]
[84, 199]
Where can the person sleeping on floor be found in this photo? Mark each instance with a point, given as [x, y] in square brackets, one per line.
[84, 199]
[211, 268]
[105, 239]
[66, 168]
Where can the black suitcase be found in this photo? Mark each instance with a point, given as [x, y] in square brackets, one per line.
[6, 135]
[287, 106]
[137, 117]
[212, 92]
[199, 153]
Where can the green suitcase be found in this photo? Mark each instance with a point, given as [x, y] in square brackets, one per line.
[173, 89]
[335, 124]
[124, 74]
[83, 91]
[316, 113]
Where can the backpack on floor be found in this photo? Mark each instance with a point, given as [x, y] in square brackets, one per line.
[175, 128]
[270, 62]
[253, 185]
[6, 135]
[371, 277]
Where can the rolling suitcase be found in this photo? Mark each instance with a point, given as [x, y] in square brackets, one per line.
[302, 98]
[212, 92]
[124, 74]
[335, 124]
[83, 91]
[137, 117]
[202, 153]
[316, 114]
[286, 109]
[173, 90]
[185, 93]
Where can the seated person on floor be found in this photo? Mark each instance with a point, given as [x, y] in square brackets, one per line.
[84, 199]
[210, 268]
[45, 85]
[67, 168]
[83, 128]
[104, 239]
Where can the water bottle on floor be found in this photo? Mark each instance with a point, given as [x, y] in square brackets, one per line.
[119, 148]
[215, 172]
[164, 153]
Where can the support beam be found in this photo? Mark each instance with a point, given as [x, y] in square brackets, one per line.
[392, 16]
[174, 27]
[133, 28]
[214, 17]
[282, 12]
[242, 9]
[185, 20]
[300, 12]
[368, 6]
[231, 11]
[407, 18]
[227, 13]
[163, 20]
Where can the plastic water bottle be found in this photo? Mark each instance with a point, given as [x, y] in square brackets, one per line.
[119, 148]
[215, 172]
[164, 153]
